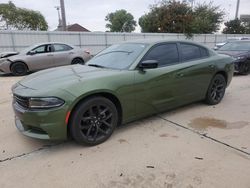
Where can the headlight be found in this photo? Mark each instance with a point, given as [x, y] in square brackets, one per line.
[45, 102]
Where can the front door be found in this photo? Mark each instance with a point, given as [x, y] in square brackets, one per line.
[40, 57]
[155, 88]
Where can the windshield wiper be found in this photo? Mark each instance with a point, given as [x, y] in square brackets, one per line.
[96, 65]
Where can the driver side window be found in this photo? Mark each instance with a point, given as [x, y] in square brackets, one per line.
[40, 49]
[165, 54]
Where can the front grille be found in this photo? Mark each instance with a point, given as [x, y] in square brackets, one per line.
[21, 101]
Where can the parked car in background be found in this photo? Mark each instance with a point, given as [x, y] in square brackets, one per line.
[120, 84]
[240, 51]
[7, 54]
[229, 39]
[42, 56]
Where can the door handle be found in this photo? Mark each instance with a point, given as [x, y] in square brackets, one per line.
[49, 55]
[179, 75]
[70, 53]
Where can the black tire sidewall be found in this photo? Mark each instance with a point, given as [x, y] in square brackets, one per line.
[208, 99]
[13, 67]
[77, 60]
[76, 116]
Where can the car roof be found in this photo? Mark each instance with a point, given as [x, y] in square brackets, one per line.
[43, 43]
[157, 41]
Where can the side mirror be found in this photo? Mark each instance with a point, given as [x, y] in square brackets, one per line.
[148, 64]
[32, 52]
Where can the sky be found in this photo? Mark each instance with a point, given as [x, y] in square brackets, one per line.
[91, 13]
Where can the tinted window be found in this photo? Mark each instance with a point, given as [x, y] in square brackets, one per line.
[61, 47]
[190, 52]
[204, 52]
[165, 54]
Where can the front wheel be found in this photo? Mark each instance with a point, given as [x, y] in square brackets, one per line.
[19, 69]
[93, 121]
[216, 90]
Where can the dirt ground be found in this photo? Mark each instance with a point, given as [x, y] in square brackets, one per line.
[193, 146]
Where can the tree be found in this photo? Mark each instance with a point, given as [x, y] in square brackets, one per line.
[172, 16]
[236, 27]
[120, 21]
[168, 17]
[207, 18]
[12, 17]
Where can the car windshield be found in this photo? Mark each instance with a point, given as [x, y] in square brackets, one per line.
[119, 56]
[236, 46]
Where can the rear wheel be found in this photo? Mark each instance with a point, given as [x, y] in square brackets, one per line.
[77, 61]
[19, 69]
[216, 90]
[93, 121]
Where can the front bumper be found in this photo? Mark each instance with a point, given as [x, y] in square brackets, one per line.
[4, 66]
[45, 125]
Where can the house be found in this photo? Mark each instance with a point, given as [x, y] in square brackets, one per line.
[74, 27]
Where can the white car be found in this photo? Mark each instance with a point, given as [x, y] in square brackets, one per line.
[42, 56]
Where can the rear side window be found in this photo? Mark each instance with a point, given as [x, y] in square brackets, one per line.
[165, 54]
[61, 47]
[204, 52]
[190, 52]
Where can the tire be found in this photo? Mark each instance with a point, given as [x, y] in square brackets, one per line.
[216, 90]
[77, 61]
[93, 121]
[19, 69]
[244, 68]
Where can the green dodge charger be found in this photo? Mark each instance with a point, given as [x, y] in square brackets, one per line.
[122, 83]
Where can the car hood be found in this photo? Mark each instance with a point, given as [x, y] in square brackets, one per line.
[233, 53]
[61, 77]
[7, 54]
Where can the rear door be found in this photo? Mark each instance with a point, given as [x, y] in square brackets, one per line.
[62, 54]
[154, 88]
[195, 73]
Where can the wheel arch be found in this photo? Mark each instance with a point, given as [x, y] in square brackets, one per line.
[77, 57]
[113, 98]
[223, 73]
[18, 61]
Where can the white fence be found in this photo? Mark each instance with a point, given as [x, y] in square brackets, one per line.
[94, 41]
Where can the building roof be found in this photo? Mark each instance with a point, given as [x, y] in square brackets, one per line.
[77, 27]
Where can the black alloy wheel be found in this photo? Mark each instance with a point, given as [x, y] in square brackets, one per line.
[77, 61]
[19, 69]
[93, 121]
[216, 90]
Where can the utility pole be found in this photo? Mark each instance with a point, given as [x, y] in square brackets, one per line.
[63, 15]
[59, 27]
[237, 9]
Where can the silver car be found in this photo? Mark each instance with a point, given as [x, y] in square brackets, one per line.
[42, 56]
